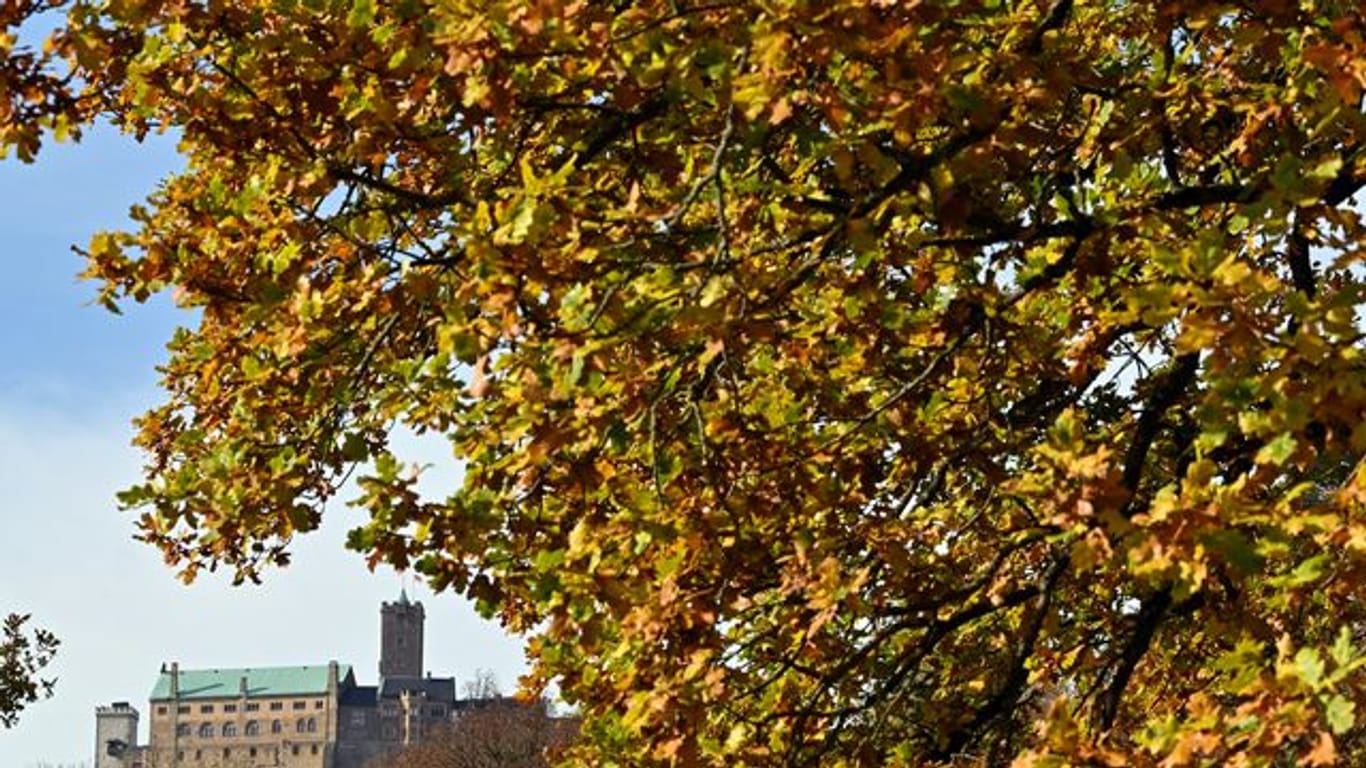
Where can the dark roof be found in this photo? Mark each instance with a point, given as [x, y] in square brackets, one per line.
[436, 688]
[359, 696]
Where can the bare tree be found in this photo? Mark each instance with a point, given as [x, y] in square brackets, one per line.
[484, 685]
[494, 733]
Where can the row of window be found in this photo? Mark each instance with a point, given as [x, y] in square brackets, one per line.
[392, 710]
[252, 728]
[251, 706]
[227, 752]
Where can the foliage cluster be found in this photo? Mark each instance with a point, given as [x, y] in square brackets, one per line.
[23, 655]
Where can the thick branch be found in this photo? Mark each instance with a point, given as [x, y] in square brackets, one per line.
[1297, 253]
[1162, 398]
[1009, 693]
[1150, 616]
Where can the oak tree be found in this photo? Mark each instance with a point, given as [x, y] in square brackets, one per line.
[841, 382]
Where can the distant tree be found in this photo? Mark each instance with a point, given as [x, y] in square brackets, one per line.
[23, 654]
[484, 685]
[499, 734]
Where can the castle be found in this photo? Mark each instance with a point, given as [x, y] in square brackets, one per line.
[286, 717]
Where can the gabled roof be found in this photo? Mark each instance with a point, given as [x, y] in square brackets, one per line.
[264, 681]
[438, 689]
[360, 696]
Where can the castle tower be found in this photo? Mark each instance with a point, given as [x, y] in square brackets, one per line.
[116, 735]
[400, 638]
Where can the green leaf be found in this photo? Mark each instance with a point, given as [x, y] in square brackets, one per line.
[1235, 548]
[1340, 714]
[353, 447]
[1343, 653]
[1308, 667]
[362, 14]
[1278, 451]
[1309, 571]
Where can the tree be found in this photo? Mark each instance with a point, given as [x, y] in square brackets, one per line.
[23, 654]
[484, 685]
[503, 733]
[843, 382]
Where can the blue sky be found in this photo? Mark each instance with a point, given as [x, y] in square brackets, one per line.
[72, 376]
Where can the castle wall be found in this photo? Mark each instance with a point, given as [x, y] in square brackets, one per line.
[291, 732]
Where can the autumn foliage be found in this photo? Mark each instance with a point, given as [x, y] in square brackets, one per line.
[845, 382]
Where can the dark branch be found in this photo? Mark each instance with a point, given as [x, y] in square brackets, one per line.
[1172, 386]
[1150, 616]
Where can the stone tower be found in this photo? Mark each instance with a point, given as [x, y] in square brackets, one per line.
[400, 638]
[116, 735]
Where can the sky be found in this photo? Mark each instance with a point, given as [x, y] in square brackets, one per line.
[72, 377]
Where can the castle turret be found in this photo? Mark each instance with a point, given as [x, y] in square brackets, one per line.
[400, 638]
[116, 735]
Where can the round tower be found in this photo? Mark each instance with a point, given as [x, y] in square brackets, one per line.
[116, 735]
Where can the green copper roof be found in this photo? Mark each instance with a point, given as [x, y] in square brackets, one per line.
[267, 681]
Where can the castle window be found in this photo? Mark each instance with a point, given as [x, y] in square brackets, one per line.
[252, 751]
[301, 726]
[229, 707]
[183, 709]
[229, 729]
[276, 706]
[318, 704]
[275, 726]
[300, 705]
[161, 710]
[227, 752]
[198, 753]
[183, 729]
[315, 749]
[206, 731]
[253, 728]
[295, 750]
[252, 706]
[206, 709]
[312, 725]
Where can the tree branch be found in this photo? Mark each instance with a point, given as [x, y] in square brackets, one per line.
[1163, 397]
[1150, 615]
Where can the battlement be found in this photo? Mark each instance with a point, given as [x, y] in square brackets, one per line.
[118, 708]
